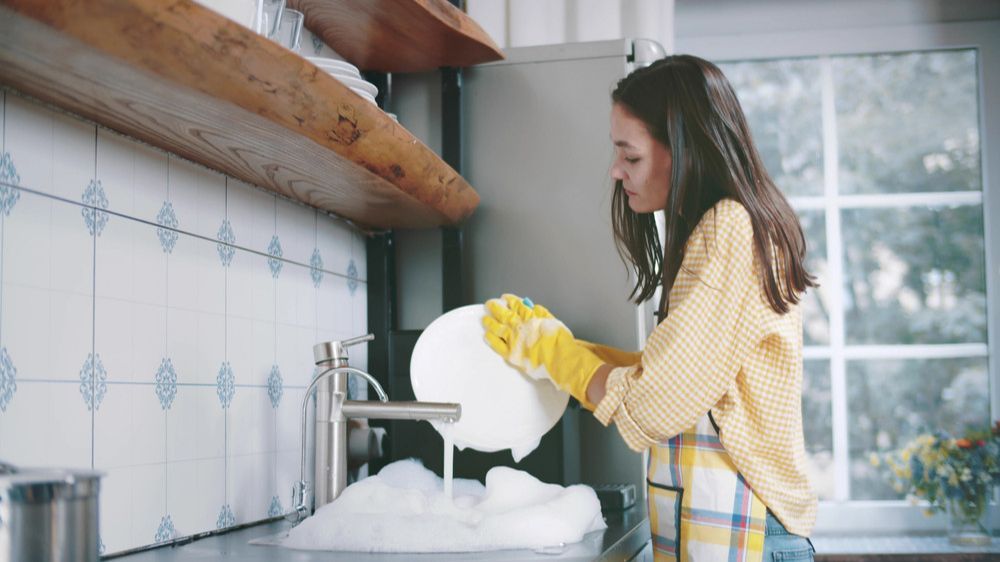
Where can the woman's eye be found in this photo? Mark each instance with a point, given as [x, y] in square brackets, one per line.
[631, 160]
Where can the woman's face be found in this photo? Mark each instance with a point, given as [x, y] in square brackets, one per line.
[642, 163]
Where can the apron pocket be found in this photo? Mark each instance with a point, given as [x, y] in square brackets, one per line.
[665, 520]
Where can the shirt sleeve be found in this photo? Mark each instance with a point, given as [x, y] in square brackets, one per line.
[692, 358]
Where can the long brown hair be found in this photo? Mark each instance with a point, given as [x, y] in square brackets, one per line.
[688, 105]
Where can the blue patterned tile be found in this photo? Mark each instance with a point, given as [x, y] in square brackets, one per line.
[352, 277]
[167, 232]
[8, 384]
[165, 531]
[317, 44]
[274, 262]
[275, 386]
[166, 383]
[8, 179]
[225, 385]
[93, 381]
[275, 509]
[226, 238]
[95, 199]
[226, 518]
[316, 268]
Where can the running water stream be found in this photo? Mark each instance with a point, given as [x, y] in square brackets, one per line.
[447, 433]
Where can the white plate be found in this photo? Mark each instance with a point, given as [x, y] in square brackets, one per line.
[333, 63]
[341, 73]
[501, 407]
[338, 68]
[357, 84]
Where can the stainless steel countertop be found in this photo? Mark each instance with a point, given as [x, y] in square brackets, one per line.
[625, 536]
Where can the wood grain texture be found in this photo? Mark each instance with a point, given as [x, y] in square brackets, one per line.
[185, 79]
[399, 35]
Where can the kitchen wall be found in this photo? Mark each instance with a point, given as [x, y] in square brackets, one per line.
[156, 323]
[518, 23]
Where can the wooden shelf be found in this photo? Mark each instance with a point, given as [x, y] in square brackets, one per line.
[183, 78]
[399, 35]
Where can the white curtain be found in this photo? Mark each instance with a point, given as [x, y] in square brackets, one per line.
[518, 23]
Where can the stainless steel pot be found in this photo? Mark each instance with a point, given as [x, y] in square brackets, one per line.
[49, 515]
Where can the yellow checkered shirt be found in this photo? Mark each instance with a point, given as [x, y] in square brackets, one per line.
[723, 347]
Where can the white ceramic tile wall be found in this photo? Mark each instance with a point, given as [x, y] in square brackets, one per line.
[132, 340]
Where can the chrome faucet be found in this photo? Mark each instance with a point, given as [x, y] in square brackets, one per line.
[333, 411]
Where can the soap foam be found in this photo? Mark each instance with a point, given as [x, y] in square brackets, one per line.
[404, 509]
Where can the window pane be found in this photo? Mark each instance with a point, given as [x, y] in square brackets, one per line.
[914, 275]
[782, 102]
[817, 424]
[893, 401]
[815, 318]
[908, 122]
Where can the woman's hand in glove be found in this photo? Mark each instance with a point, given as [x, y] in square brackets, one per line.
[529, 337]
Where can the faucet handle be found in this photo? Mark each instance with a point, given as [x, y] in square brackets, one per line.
[357, 340]
[337, 350]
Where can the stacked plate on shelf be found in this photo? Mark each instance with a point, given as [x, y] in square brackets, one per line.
[347, 74]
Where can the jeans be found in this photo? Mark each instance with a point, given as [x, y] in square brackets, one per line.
[782, 546]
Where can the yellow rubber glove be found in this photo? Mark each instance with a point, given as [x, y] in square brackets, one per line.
[612, 355]
[608, 354]
[534, 341]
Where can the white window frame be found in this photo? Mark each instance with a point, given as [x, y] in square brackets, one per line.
[839, 515]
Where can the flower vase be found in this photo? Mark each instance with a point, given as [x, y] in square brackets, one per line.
[966, 525]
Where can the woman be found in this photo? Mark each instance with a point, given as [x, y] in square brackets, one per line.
[715, 394]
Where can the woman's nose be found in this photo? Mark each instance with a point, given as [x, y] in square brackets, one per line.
[617, 173]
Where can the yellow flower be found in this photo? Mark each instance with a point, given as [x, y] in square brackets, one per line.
[906, 454]
[873, 458]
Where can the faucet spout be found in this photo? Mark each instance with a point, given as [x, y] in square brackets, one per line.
[402, 410]
[333, 412]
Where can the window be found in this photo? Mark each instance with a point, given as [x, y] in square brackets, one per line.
[880, 156]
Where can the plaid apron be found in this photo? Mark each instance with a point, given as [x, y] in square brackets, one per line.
[700, 507]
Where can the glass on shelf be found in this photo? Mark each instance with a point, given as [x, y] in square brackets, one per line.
[289, 31]
[271, 15]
